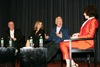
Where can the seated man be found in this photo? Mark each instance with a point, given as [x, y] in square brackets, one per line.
[58, 34]
[14, 34]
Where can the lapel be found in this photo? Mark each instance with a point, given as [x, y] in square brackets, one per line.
[61, 30]
[14, 32]
[9, 32]
[82, 27]
[88, 21]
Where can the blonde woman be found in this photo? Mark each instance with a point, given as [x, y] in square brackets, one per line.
[36, 33]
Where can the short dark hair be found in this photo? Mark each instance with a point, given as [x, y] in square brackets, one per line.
[91, 11]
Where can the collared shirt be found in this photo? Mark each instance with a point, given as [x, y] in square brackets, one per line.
[87, 21]
[12, 33]
[58, 29]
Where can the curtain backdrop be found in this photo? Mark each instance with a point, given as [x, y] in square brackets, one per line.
[26, 12]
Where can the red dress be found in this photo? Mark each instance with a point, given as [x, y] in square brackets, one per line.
[86, 31]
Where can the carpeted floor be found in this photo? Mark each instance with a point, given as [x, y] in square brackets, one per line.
[58, 64]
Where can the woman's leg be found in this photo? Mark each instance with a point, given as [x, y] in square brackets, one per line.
[64, 46]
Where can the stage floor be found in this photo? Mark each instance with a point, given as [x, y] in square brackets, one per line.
[58, 64]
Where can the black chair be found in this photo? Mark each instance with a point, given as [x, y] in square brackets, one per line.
[87, 51]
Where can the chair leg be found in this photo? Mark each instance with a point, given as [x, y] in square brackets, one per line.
[95, 61]
[88, 60]
[95, 64]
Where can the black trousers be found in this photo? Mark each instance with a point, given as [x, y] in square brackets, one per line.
[52, 49]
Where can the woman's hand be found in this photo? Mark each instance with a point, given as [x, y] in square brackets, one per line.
[75, 34]
[46, 37]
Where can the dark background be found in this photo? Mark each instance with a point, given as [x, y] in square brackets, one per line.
[26, 12]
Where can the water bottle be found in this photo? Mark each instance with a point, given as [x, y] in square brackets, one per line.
[10, 42]
[41, 41]
[31, 41]
[2, 42]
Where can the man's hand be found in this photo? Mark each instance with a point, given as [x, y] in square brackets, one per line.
[14, 39]
[59, 34]
[46, 37]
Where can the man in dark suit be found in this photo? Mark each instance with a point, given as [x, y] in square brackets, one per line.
[14, 34]
[58, 34]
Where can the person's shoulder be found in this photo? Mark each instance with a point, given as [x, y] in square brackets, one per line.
[64, 28]
[41, 29]
[7, 30]
[53, 29]
[33, 31]
[94, 19]
[17, 29]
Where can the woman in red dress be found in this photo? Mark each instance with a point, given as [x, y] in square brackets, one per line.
[87, 30]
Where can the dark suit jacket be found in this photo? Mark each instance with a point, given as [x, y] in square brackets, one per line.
[17, 35]
[54, 37]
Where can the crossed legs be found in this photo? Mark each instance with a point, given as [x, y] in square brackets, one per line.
[64, 46]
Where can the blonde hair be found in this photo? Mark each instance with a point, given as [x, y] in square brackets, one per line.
[36, 24]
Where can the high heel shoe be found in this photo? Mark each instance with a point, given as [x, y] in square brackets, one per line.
[75, 65]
